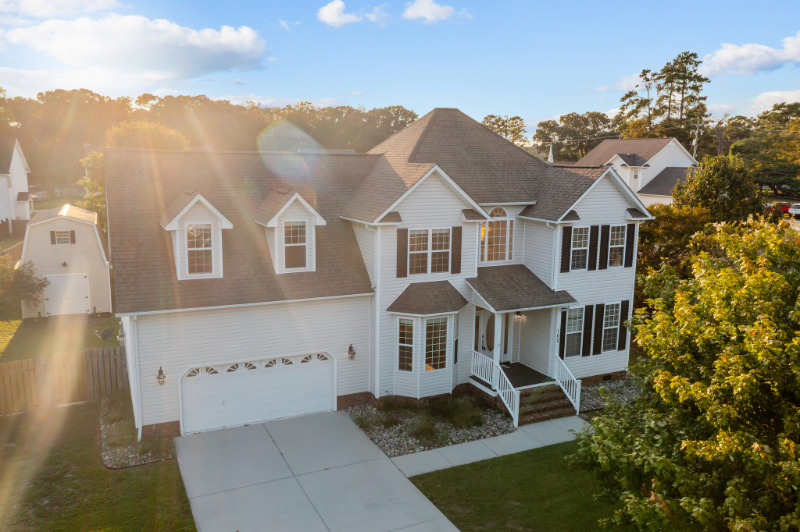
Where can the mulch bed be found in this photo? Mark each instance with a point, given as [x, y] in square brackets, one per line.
[624, 391]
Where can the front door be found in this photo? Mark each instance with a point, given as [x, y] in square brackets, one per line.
[485, 339]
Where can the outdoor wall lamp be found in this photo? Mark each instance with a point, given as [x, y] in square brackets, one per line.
[518, 315]
[161, 377]
[351, 353]
[64, 264]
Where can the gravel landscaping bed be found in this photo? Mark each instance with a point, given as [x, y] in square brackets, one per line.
[119, 446]
[625, 391]
[400, 430]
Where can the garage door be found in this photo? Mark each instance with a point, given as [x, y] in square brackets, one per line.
[230, 395]
[67, 294]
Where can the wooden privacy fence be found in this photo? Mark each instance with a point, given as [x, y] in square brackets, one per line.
[61, 379]
[15, 252]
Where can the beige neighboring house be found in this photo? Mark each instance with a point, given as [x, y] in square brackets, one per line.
[65, 248]
[650, 167]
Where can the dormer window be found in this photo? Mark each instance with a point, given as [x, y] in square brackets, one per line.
[295, 246]
[200, 252]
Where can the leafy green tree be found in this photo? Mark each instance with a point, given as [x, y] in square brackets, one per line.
[573, 135]
[17, 286]
[713, 442]
[667, 237]
[723, 185]
[510, 128]
[142, 135]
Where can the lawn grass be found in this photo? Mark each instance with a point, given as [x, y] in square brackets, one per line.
[52, 478]
[66, 334]
[119, 437]
[6, 243]
[533, 491]
[53, 203]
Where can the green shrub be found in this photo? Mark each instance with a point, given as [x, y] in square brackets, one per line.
[425, 431]
[389, 420]
[460, 412]
[365, 421]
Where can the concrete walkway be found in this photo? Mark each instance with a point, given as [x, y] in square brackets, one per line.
[306, 474]
[527, 437]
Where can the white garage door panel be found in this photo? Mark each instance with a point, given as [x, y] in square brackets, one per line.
[227, 399]
[67, 294]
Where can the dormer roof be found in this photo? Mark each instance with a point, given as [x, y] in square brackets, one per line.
[184, 201]
[276, 202]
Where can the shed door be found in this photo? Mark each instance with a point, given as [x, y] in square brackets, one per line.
[230, 395]
[67, 294]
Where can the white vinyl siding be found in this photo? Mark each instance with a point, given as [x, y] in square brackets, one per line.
[366, 243]
[84, 256]
[539, 249]
[534, 336]
[179, 341]
[433, 204]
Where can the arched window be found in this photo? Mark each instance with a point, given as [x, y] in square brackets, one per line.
[497, 237]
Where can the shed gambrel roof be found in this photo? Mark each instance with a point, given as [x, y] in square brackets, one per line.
[141, 185]
[65, 211]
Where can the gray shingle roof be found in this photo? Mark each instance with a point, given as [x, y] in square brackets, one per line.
[472, 215]
[664, 182]
[636, 214]
[7, 145]
[423, 299]
[65, 211]
[644, 149]
[140, 185]
[273, 202]
[515, 287]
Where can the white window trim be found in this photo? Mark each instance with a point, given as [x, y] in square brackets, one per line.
[572, 248]
[635, 173]
[424, 345]
[398, 344]
[216, 254]
[285, 245]
[566, 333]
[508, 218]
[280, 244]
[603, 336]
[623, 246]
[430, 250]
[69, 241]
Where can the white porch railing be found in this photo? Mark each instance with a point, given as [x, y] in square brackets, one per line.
[568, 383]
[509, 395]
[483, 367]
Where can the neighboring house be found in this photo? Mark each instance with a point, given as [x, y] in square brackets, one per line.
[16, 203]
[254, 286]
[650, 167]
[65, 248]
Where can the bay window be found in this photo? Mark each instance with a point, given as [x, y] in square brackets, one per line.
[405, 345]
[435, 344]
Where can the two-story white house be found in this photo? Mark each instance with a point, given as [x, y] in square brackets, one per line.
[15, 203]
[650, 167]
[255, 286]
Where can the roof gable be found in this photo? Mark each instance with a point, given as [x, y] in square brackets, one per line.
[642, 149]
[609, 175]
[9, 146]
[183, 202]
[277, 202]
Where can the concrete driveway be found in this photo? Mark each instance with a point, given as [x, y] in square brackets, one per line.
[310, 473]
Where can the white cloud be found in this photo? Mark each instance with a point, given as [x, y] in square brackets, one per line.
[378, 14]
[357, 93]
[748, 59]
[333, 14]
[284, 25]
[12, 20]
[613, 112]
[239, 82]
[766, 100]
[55, 8]
[137, 46]
[428, 10]
[625, 83]
[721, 108]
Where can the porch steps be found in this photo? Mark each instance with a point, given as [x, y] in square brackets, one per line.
[543, 403]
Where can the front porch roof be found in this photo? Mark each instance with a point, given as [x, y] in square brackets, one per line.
[425, 299]
[515, 287]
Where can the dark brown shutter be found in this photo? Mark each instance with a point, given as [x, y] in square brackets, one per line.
[588, 312]
[563, 340]
[455, 255]
[630, 238]
[72, 237]
[52, 237]
[402, 252]
[599, 314]
[477, 332]
[604, 236]
[593, 247]
[566, 248]
[623, 317]
[506, 319]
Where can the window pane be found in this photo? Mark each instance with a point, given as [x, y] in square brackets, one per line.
[618, 235]
[418, 240]
[200, 261]
[497, 212]
[294, 257]
[580, 237]
[574, 332]
[417, 263]
[611, 316]
[440, 239]
[579, 259]
[496, 240]
[62, 237]
[573, 347]
[436, 344]
[575, 320]
[611, 327]
[440, 262]
[294, 233]
[198, 236]
[615, 256]
[610, 340]
[405, 345]
[616, 249]
[510, 239]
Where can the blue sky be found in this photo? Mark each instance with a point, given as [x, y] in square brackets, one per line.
[518, 57]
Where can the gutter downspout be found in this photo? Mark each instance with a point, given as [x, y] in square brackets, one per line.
[377, 287]
[135, 331]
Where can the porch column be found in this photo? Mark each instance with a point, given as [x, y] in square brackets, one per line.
[498, 336]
